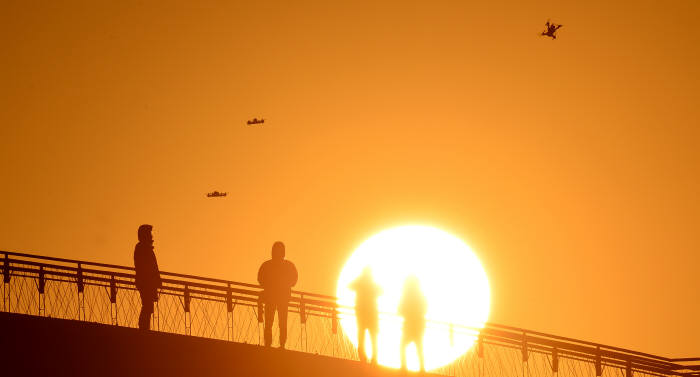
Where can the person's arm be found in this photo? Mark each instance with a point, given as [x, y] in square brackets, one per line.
[156, 272]
[353, 285]
[261, 275]
[294, 276]
[137, 267]
[137, 260]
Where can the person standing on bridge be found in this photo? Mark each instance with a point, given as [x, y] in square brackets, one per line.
[147, 275]
[412, 308]
[277, 276]
[366, 312]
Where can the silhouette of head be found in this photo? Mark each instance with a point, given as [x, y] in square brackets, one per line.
[278, 250]
[411, 284]
[145, 233]
[367, 272]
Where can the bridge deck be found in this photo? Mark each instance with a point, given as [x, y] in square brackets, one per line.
[45, 346]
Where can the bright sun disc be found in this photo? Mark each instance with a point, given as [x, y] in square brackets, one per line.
[451, 278]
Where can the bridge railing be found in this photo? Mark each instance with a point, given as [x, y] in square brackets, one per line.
[230, 310]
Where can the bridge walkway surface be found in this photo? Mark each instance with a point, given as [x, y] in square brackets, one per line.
[38, 346]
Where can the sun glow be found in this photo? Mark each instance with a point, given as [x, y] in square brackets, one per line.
[451, 278]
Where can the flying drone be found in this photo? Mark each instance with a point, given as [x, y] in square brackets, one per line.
[549, 29]
[215, 194]
[255, 121]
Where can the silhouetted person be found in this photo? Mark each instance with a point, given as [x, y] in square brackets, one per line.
[147, 275]
[277, 276]
[366, 311]
[412, 308]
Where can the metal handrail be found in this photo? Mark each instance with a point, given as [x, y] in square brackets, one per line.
[102, 274]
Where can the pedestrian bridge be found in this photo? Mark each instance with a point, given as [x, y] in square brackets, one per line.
[90, 311]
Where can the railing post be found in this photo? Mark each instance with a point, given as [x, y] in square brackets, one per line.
[480, 353]
[188, 318]
[303, 340]
[261, 317]
[302, 310]
[480, 346]
[81, 285]
[628, 369]
[113, 299]
[598, 363]
[261, 310]
[156, 309]
[6, 284]
[229, 312]
[555, 360]
[6, 270]
[525, 354]
[452, 335]
[81, 295]
[334, 324]
[334, 327]
[41, 287]
[42, 281]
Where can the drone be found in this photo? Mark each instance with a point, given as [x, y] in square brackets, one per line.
[255, 121]
[550, 29]
[215, 194]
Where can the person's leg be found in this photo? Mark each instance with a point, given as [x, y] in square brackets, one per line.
[282, 316]
[419, 350]
[269, 319]
[146, 311]
[373, 337]
[404, 343]
[361, 343]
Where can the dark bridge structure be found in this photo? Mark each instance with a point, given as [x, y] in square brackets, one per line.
[99, 294]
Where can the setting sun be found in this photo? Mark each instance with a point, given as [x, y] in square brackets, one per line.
[451, 278]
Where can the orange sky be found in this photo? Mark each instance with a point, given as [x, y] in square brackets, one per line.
[570, 166]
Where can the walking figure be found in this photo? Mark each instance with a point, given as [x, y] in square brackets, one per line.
[366, 312]
[277, 276]
[147, 275]
[412, 308]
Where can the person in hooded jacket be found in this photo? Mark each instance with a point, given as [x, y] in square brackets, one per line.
[147, 274]
[277, 276]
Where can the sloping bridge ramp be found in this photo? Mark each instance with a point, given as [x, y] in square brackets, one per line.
[39, 346]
